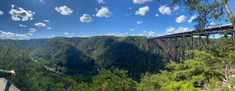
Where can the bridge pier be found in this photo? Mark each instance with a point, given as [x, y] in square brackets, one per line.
[175, 48]
[175, 45]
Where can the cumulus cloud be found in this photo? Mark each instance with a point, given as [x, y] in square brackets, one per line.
[22, 25]
[118, 34]
[1, 12]
[30, 34]
[48, 28]
[32, 30]
[144, 33]
[139, 22]
[150, 33]
[104, 12]
[142, 11]
[164, 10]
[175, 8]
[178, 30]
[67, 34]
[147, 34]
[42, 1]
[170, 29]
[10, 35]
[132, 29]
[192, 18]
[40, 24]
[46, 21]
[156, 15]
[86, 18]
[141, 1]
[181, 19]
[20, 14]
[64, 10]
[183, 29]
[100, 1]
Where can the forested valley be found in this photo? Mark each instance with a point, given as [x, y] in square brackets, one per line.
[107, 63]
[74, 63]
[122, 61]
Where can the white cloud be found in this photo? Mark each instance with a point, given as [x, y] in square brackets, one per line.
[40, 24]
[30, 34]
[170, 29]
[141, 1]
[86, 18]
[165, 10]
[179, 30]
[144, 33]
[118, 34]
[175, 8]
[67, 34]
[1, 12]
[22, 25]
[151, 34]
[132, 29]
[100, 1]
[48, 28]
[183, 29]
[139, 22]
[156, 15]
[32, 30]
[147, 34]
[192, 18]
[64, 10]
[20, 14]
[181, 19]
[104, 12]
[42, 1]
[142, 11]
[10, 35]
[46, 21]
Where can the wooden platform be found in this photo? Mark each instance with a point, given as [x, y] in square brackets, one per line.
[7, 86]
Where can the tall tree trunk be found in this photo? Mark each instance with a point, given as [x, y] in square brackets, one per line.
[229, 12]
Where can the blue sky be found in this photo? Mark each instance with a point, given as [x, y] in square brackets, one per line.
[80, 18]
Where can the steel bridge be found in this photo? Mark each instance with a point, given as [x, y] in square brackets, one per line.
[174, 45]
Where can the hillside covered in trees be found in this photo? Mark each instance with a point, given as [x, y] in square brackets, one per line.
[131, 62]
[107, 63]
[78, 59]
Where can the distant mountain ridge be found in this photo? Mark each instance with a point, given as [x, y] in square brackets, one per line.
[88, 55]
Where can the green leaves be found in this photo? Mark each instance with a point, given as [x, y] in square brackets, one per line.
[114, 80]
[210, 70]
[204, 69]
[183, 76]
[208, 11]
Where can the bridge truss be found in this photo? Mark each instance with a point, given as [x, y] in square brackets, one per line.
[175, 45]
